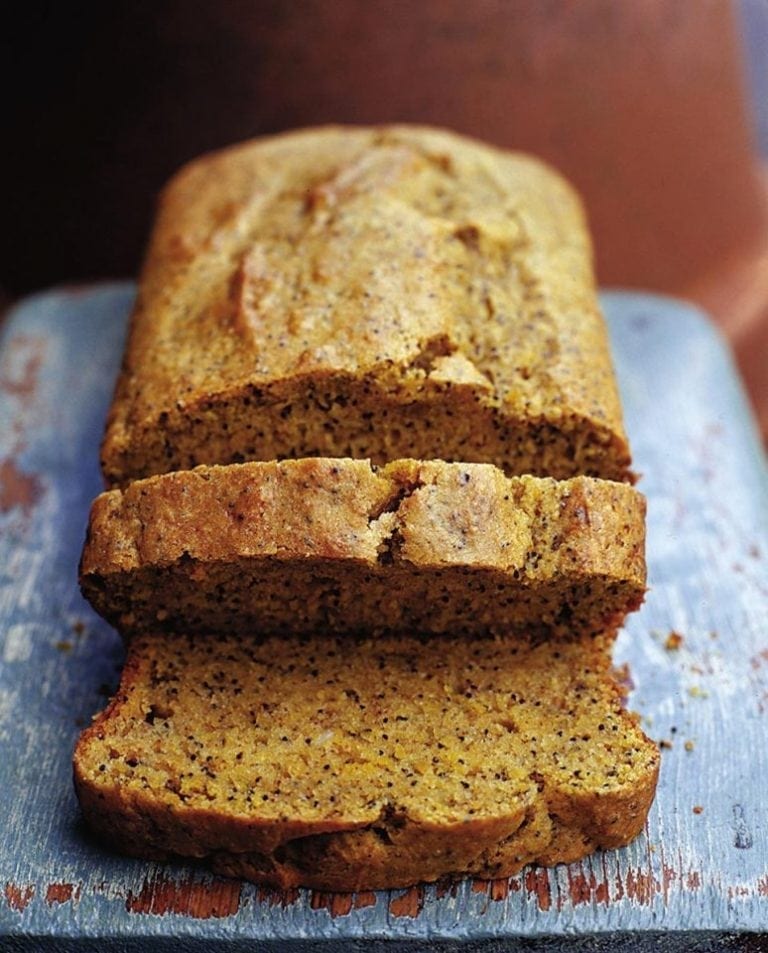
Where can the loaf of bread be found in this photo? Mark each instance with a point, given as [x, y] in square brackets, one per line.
[373, 293]
[365, 763]
[336, 544]
[371, 530]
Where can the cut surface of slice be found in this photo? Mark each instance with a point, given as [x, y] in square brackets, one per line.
[340, 545]
[367, 292]
[354, 763]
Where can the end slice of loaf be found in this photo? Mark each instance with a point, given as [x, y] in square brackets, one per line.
[337, 544]
[346, 764]
[367, 292]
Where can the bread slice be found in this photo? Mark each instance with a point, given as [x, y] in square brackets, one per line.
[367, 292]
[346, 764]
[337, 544]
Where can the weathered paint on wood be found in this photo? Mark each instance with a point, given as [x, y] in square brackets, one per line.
[700, 874]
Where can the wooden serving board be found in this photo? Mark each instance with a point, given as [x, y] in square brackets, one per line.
[699, 875]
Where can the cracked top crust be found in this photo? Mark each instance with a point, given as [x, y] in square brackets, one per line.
[431, 546]
[410, 260]
[444, 513]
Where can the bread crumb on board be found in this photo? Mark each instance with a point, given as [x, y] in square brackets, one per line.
[674, 641]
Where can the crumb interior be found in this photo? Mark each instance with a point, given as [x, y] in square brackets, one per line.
[352, 730]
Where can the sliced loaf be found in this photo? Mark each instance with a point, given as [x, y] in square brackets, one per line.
[368, 292]
[346, 764]
[337, 544]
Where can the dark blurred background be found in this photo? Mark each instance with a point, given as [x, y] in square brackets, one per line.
[657, 110]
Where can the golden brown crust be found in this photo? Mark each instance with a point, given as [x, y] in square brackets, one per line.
[385, 293]
[365, 763]
[366, 292]
[421, 545]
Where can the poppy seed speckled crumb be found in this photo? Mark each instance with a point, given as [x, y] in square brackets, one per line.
[342, 763]
[337, 544]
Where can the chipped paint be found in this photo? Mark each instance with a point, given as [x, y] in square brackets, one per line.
[668, 877]
[408, 904]
[586, 889]
[24, 356]
[738, 890]
[62, 893]
[278, 898]
[675, 878]
[22, 360]
[579, 887]
[199, 899]
[337, 904]
[640, 886]
[693, 880]
[500, 889]
[17, 896]
[601, 892]
[496, 890]
[537, 883]
[18, 489]
[365, 898]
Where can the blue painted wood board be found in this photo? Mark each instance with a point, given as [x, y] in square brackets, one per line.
[698, 878]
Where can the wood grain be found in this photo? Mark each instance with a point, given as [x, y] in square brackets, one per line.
[699, 875]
